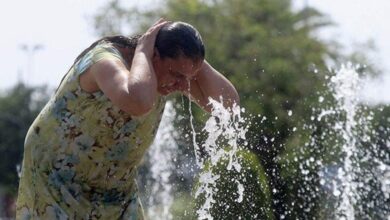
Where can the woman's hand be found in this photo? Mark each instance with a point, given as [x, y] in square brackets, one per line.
[146, 42]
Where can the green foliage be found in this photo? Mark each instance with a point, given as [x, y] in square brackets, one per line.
[256, 201]
[378, 205]
[262, 46]
[269, 52]
[183, 208]
[18, 108]
[272, 55]
[111, 19]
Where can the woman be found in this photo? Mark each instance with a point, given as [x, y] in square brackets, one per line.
[82, 150]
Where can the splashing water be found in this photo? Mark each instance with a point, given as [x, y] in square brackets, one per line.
[350, 181]
[162, 154]
[347, 179]
[345, 84]
[223, 124]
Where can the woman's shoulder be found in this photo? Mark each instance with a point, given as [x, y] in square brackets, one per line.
[102, 50]
[107, 47]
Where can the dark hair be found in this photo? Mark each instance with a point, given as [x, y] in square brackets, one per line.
[118, 40]
[178, 38]
[173, 40]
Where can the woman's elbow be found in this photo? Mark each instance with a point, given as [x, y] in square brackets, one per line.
[136, 104]
[141, 100]
[141, 106]
[233, 99]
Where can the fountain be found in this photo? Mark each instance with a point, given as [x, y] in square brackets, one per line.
[354, 169]
[223, 129]
[165, 147]
[225, 124]
[358, 169]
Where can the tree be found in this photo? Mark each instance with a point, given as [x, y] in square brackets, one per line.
[272, 55]
[18, 108]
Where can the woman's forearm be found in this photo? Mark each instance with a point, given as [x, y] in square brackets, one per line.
[213, 84]
[142, 81]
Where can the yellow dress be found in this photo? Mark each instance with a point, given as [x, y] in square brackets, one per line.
[81, 153]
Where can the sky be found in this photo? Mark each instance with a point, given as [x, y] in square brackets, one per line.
[61, 29]
[356, 22]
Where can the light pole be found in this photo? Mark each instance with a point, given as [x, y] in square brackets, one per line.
[306, 7]
[30, 51]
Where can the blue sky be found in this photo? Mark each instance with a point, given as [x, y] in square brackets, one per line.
[64, 29]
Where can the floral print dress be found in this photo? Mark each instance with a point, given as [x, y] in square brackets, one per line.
[81, 153]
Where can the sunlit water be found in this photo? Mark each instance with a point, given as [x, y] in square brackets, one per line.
[161, 155]
[348, 180]
[223, 127]
[359, 168]
[345, 85]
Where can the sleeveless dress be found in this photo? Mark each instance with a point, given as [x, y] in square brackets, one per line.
[81, 153]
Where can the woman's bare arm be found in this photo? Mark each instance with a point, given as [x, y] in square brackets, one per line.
[133, 91]
[210, 83]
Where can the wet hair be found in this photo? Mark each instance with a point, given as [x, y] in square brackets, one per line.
[178, 38]
[173, 40]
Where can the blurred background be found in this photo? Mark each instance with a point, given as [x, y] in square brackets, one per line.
[280, 55]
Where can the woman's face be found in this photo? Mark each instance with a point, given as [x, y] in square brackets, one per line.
[174, 74]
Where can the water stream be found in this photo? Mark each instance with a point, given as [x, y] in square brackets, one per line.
[223, 130]
[359, 170]
[162, 155]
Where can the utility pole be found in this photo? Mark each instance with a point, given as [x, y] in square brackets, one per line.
[306, 7]
[30, 51]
